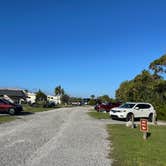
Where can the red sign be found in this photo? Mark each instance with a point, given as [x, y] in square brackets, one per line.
[144, 125]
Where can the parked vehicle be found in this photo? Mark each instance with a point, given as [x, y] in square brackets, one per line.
[49, 105]
[11, 108]
[106, 106]
[129, 109]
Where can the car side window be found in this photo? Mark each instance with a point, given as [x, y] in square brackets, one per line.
[1, 102]
[146, 106]
[143, 106]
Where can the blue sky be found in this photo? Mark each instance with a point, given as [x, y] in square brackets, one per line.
[86, 46]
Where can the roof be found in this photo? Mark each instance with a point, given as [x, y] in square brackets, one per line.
[12, 92]
[137, 103]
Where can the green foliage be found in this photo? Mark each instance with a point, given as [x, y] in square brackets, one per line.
[92, 102]
[104, 98]
[65, 99]
[147, 87]
[41, 97]
[59, 90]
[158, 65]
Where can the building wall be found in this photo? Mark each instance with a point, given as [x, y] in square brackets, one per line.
[31, 98]
[56, 99]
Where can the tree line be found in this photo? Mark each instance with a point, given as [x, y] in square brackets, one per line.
[148, 86]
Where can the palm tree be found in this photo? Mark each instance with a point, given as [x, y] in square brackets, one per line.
[92, 96]
[59, 90]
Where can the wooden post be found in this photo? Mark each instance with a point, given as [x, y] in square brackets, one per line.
[145, 135]
[132, 121]
[154, 120]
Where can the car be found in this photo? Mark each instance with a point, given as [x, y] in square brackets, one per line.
[100, 107]
[49, 105]
[136, 109]
[9, 107]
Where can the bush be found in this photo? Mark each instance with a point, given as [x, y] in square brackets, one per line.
[92, 102]
[161, 112]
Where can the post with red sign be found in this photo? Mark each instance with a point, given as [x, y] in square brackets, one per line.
[144, 127]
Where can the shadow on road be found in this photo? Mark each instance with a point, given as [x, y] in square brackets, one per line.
[24, 113]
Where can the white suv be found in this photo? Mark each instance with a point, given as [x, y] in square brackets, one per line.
[138, 110]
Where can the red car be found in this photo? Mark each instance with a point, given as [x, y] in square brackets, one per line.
[106, 107]
[8, 107]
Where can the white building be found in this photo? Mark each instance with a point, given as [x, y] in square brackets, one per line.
[31, 97]
[55, 99]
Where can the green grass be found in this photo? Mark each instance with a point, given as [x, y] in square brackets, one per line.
[129, 148]
[99, 115]
[28, 108]
[6, 118]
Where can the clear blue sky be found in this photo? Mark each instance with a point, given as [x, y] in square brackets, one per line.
[86, 46]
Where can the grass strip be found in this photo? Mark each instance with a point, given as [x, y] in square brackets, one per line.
[6, 118]
[99, 115]
[31, 109]
[129, 148]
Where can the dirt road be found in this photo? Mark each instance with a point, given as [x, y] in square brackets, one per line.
[61, 137]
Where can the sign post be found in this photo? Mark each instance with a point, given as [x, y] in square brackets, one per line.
[144, 127]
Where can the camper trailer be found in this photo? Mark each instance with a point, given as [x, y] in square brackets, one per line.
[55, 99]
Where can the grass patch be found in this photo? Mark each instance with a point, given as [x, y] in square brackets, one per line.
[28, 108]
[6, 118]
[99, 115]
[129, 148]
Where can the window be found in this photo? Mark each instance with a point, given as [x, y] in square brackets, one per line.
[1, 102]
[143, 106]
[127, 105]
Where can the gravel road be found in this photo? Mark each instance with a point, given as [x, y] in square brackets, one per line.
[61, 137]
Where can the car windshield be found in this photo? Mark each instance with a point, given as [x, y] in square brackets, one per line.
[6, 101]
[127, 105]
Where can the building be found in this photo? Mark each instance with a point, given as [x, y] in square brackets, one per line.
[55, 99]
[17, 95]
[31, 98]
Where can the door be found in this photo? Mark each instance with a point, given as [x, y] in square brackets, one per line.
[3, 106]
[143, 110]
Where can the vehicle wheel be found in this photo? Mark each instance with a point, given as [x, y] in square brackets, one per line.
[12, 111]
[129, 117]
[150, 118]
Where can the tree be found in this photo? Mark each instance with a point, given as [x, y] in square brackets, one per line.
[158, 65]
[92, 102]
[41, 96]
[59, 90]
[122, 93]
[147, 87]
[104, 98]
[65, 99]
[92, 97]
[141, 88]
